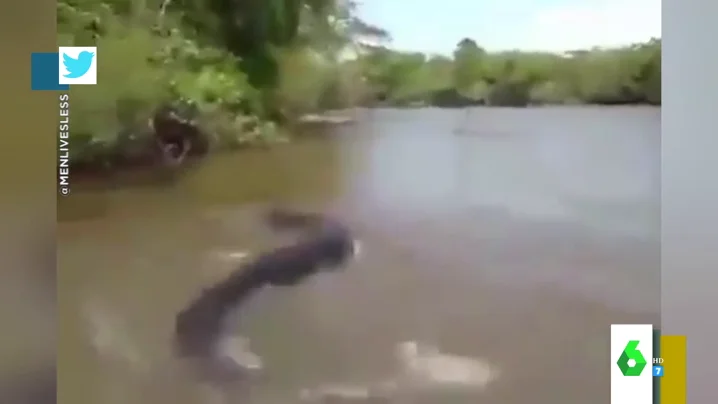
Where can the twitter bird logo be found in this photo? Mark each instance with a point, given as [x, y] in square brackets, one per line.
[80, 65]
[77, 67]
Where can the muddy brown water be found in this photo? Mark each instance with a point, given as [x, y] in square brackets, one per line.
[513, 235]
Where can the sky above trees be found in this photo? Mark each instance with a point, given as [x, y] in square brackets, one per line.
[553, 25]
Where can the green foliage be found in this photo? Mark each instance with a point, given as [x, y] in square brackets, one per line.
[235, 63]
[243, 66]
[603, 76]
[467, 66]
[135, 84]
[302, 79]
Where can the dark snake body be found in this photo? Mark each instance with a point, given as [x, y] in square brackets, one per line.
[325, 245]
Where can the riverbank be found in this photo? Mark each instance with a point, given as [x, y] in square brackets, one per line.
[502, 97]
[177, 144]
[171, 139]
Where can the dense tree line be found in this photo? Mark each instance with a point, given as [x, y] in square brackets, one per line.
[628, 75]
[239, 69]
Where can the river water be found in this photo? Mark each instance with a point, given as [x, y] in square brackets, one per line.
[514, 235]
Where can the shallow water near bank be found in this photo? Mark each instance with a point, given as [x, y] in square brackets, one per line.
[514, 235]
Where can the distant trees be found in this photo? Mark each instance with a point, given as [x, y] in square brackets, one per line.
[625, 75]
[468, 67]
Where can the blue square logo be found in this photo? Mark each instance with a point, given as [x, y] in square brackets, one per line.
[658, 371]
[57, 70]
[78, 65]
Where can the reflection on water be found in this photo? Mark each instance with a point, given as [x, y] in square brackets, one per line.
[421, 369]
[518, 242]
